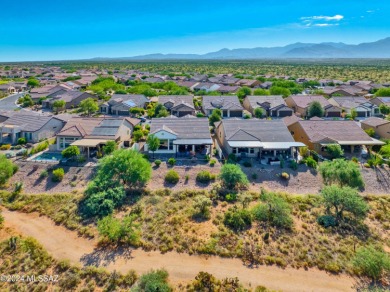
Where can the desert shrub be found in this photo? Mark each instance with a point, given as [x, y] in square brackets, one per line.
[310, 162]
[204, 176]
[172, 177]
[326, 221]
[58, 175]
[355, 159]
[1, 220]
[213, 162]
[285, 176]
[41, 146]
[5, 147]
[201, 206]
[334, 150]
[153, 281]
[157, 162]
[231, 197]
[22, 141]
[171, 161]
[71, 152]
[233, 177]
[44, 174]
[207, 282]
[342, 173]
[247, 164]
[293, 165]
[371, 261]
[304, 152]
[7, 169]
[102, 202]
[18, 187]
[370, 132]
[237, 219]
[116, 230]
[274, 210]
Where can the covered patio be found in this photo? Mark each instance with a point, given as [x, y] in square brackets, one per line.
[192, 147]
[89, 145]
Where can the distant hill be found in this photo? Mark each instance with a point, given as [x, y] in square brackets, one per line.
[378, 49]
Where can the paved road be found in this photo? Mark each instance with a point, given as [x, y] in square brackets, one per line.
[8, 103]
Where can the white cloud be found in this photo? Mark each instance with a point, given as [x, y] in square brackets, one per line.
[322, 20]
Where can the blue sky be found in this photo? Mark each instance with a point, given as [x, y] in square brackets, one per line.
[59, 30]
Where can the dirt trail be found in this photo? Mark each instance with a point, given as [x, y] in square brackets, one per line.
[65, 244]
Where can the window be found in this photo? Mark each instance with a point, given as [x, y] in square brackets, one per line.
[234, 150]
[170, 144]
[251, 150]
[164, 145]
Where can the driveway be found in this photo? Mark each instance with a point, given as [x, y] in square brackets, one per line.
[8, 103]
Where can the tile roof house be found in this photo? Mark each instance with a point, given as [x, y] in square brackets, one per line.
[178, 105]
[48, 91]
[273, 105]
[226, 89]
[380, 126]
[180, 136]
[206, 86]
[29, 125]
[344, 90]
[317, 134]
[72, 99]
[264, 139]
[363, 107]
[248, 82]
[380, 100]
[229, 105]
[120, 104]
[301, 103]
[97, 130]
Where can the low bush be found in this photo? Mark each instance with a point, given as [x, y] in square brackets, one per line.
[44, 174]
[326, 221]
[237, 219]
[172, 177]
[247, 164]
[213, 162]
[293, 165]
[157, 162]
[22, 141]
[171, 161]
[7, 169]
[310, 162]
[285, 176]
[204, 176]
[153, 281]
[5, 147]
[58, 175]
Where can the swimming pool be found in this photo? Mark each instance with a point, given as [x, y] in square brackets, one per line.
[48, 156]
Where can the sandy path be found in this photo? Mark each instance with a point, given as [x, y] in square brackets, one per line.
[65, 244]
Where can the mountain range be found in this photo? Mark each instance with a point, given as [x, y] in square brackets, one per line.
[378, 49]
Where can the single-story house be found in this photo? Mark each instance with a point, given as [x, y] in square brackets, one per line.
[178, 105]
[318, 133]
[301, 103]
[363, 107]
[227, 89]
[273, 105]
[29, 125]
[380, 126]
[248, 82]
[48, 91]
[380, 100]
[72, 99]
[229, 105]
[206, 86]
[120, 104]
[267, 140]
[343, 90]
[93, 132]
[182, 136]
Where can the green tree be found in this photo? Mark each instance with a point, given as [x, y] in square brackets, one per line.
[259, 112]
[71, 152]
[261, 92]
[233, 177]
[274, 210]
[342, 173]
[338, 200]
[275, 90]
[243, 92]
[58, 105]
[26, 101]
[33, 82]
[153, 143]
[334, 150]
[237, 219]
[371, 261]
[383, 92]
[110, 147]
[126, 167]
[315, 110]
[102, 197]
[137, 111]
[384, 109]
[215, 116]
[138, 135]
[89, 106]
[6, 169]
